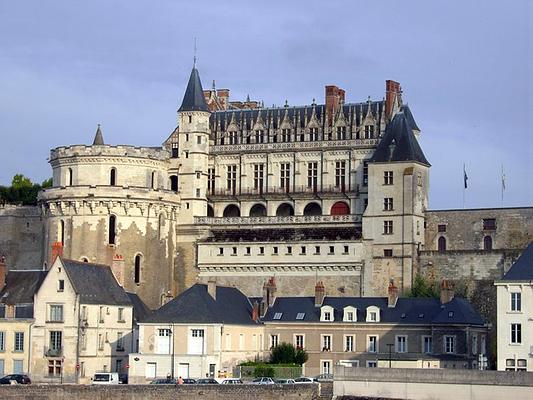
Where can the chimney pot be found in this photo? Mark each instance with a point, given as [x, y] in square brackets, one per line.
[255, 311]
[57, 251]
[446, 291]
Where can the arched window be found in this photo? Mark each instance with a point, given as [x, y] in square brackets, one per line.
[232, 211]
[69, 177]
[284, 210]
[137, 269]
[61, 232]
[174, 183]
[258, 210]
[152, 180]
[112, 229]
[84, 259]
[113, 177]
[442, 244]
[487, 242]
[340, 208]
[313, 209]
[210, 211]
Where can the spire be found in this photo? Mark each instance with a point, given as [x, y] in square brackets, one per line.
[98, 138]
[194, 100]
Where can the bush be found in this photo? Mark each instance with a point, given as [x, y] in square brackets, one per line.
[264, 370]
[284, 353]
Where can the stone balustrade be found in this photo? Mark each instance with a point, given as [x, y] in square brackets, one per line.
[276, 220]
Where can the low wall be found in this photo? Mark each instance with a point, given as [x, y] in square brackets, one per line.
[415, 384]
[160, 392]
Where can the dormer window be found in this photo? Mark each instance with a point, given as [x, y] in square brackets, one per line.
[300, 316]
[350, 314]
[372, 314]
[326, 314]
[277, 315]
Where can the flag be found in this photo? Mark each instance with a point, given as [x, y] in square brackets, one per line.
[465, 176]
[503, 179]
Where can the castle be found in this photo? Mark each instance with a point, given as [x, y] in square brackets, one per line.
[240, 192]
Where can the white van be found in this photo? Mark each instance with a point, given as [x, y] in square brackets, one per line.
[105, 378]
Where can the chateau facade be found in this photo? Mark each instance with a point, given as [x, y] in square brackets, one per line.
[238, 192]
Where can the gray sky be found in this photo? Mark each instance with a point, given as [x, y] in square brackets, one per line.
[465, 68]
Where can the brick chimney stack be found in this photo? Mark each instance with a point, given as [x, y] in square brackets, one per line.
[117, 267]
[57, 251]
[255, 311]
[393, 294]
[269, 295]
[334, 99]
[320, 293]
[223, 98]
[446, 291]
[3, 272]
[393, 92]
[212, 288]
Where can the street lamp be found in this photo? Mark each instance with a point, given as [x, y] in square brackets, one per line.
[171, 338]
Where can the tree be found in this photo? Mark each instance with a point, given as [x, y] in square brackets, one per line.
[47, 183]
[22, 190]
[301, 357]
[285, 353]
[423, 287]
[20, 181]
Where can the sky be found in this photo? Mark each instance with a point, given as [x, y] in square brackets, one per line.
[465, 68]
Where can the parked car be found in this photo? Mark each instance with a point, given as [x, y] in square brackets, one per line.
[207, 381]
[230, 381]
[324, 377]
[189, 381]
[106, 378]
[305, 379]
[285, 381]
[263, 381]
[18, 378]
[163, 381]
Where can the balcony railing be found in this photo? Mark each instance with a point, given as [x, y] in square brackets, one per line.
[278, 190]
[53, 352]
[292, 219]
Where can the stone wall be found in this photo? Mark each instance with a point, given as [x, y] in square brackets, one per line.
[159, 392]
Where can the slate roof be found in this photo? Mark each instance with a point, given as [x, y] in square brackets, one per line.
[410, 311]
[522, 269]
[21, 286]
[98, 137]
[140, 310]
[412, 123]
[288, 234]
[399, 142]
[194, 100]
[95, 283]
[195, 305]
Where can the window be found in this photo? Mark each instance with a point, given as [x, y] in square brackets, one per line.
[300, 316]
[120, 314]
[441, 228]
[2, 341]
[365, 173]
[516, 333]
[326, 342]
[137, 271]
[325, 367]
[331, 250]
[61, 232]
[113, 177]
[198, 193]
[372, 314]
[261, 250]
[299, 341]
[112, 229]
[56, 313]
[369, 131]
[341, 133]
[174, 183]
[234, 251]
[387, 252]
[349, 341]
[387, 227]
[372, 344]
[285, 135]
[232, 137]
[60, 285]
[277, 315]
[303, 250]
[388, 178]
[516, 301]
[120, 341]
[275, 250]
[101, 315]
[69, 177]
[100, 341]
[317, 249]
[474, 344]
[340, 174]
[489, 224]
[198, 139]
[345, 250]
[211, 181]
[248, 251]
[487, 243]
[312, 175]
[274, 341]
[56, 342]
[54, 368]
[285, 179]
[289, 249]
[441, 244]
[449, 344]
[401, 344]
[313, 134]
[231, 178]
[349, 316]
[327, 315]
[175, 150]
[388, 204]
[19, 341]
[427, 344]
[241, 341]
[259, 174]
[259, 136]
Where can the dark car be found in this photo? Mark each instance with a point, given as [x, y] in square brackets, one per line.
[189, 381]
[19, 378]
[206, 381]
[163, 381]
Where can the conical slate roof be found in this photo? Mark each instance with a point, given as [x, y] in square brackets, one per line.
[194, 100]
[399, 143]
[98, 138]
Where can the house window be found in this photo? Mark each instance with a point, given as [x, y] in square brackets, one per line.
[61, 232]
[340, 175]
[387, 252]
[19, 341]
[341, 133]
[369, 131]
[54, 368]
[349, 341]
[113, 177]
[441, 244]
[313, 134]
[101, 315]
[326, 342]
[372, 345]
[100, 341]
[56, 313]
[349, 316]
[401, 344]
[312, 175]
[387, 227]
[441, 228]
[56, 338]
[285, 179]
[299, 341]
[120, 341]
[487, 243]
[259, 174]
[388, 178]
[274, 341]
[231, 178]
[449, 344]
[2, 341]
[387, 204]
[365, 173]
[175, 150]
[234, 251]
[516, 301]
[516, 333]
[60, 285]
[137, 271]
[120, 314]
[327, 315]
[345, 250]
[211, 181]
[112, 229]
[325, 367]
[489, 224]
[427, 344]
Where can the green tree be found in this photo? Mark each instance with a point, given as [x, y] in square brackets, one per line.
[20, 181]
[301, 357]
[47, 183]
[423, 287]
[284, 353]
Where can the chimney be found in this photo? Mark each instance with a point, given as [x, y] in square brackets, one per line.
[393, 90]
[223, 98]
[212, 288]
[255, 311]
[334, 99]
[446, 291]
[3, 272]
[57, 251]
[269, 295]
[117, 267]
[393, 294]
[320, 293]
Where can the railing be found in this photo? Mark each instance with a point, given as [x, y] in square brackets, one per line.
[292, 219]
[53, 352]
[284, 190]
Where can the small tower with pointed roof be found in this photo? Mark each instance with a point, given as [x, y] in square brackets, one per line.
[98, 137]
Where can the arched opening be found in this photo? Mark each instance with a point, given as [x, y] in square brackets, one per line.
[313, 209]
[232, 211]
[174, 183]
[442, 244]
[113, 177]
[152, 180]
[137, 269]
[112, 229]
[284, 210]
[85, 259]
[210, 211]
[487, 242]
[258, 210]
[61, 232]
[340, 208]
[69, 177]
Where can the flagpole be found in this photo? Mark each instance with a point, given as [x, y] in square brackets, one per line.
[503, 184]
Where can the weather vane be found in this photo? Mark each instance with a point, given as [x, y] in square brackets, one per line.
[194, 59]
